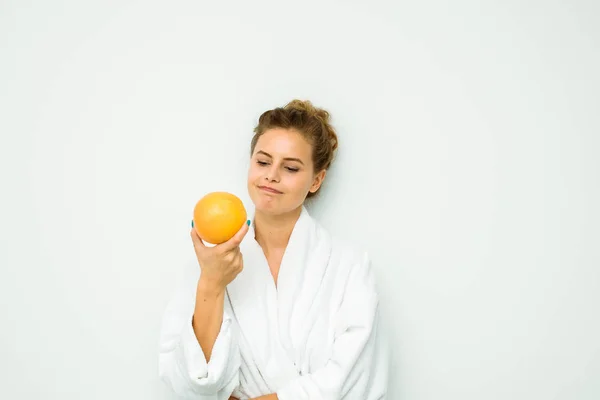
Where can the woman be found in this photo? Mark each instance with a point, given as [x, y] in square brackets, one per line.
[282, 310]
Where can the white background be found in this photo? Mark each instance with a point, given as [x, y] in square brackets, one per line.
[468, 168]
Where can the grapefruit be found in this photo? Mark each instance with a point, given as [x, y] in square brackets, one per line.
[218, 216]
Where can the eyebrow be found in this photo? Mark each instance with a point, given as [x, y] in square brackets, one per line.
[286, 158]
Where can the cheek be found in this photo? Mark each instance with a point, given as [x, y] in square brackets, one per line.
[302, 183]
[253, 173]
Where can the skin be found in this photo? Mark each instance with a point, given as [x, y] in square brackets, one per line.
[282, 160]
[220, 265]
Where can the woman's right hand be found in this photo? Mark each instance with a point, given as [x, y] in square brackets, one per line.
[222, 263]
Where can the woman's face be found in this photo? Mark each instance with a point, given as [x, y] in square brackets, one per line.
[281, 172]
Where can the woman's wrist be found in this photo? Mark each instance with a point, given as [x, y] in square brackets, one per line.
[209, 287]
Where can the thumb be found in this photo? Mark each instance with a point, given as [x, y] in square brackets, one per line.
[198, 243]
[237, 238]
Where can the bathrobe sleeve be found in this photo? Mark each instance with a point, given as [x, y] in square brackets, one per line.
[358, 366]
[182, 364]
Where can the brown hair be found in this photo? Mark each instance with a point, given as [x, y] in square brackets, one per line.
[311, 122]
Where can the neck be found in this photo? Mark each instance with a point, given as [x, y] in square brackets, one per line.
[272, 232]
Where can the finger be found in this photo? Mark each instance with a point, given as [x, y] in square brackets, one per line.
[229, 257]
[235, 260]
[240, 262]
[232, 255]
[198, 243]
[235, 241]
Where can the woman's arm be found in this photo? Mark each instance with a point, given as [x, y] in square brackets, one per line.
[208, 315]
[219, 265]
[199, 356]
[183, 365]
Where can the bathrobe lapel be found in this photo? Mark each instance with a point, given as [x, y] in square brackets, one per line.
[283, 313]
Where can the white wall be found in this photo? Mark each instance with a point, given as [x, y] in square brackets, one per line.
[468, 167]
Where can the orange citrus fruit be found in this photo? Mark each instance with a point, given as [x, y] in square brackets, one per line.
[218, 216]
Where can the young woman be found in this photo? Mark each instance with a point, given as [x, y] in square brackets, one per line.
[283, 310]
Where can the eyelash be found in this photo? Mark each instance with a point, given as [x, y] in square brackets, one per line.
[262, 164]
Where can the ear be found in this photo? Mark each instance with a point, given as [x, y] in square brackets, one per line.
[318, 181]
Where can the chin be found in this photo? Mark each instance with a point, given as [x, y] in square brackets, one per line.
[264, 203]
[268, 209]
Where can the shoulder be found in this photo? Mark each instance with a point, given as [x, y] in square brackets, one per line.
[346, 257]
[349, 253]
[355, 273]
[351, 258]
[350, 267]
[342, 250]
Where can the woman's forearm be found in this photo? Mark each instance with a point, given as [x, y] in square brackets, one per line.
[208, 315]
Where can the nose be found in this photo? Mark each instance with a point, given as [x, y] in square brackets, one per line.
[272, 174]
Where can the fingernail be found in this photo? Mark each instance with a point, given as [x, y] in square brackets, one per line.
[192, 223]
[248, 222]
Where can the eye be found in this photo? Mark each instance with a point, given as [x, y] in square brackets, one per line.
[262, 163]
[292, 169]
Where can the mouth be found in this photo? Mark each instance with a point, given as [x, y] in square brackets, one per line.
[269, 190]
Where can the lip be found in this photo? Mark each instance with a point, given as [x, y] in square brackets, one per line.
[269, 189]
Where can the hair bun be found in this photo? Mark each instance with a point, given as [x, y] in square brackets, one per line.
[306, 106]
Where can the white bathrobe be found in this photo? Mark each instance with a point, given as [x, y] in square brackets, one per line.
[313, 336]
